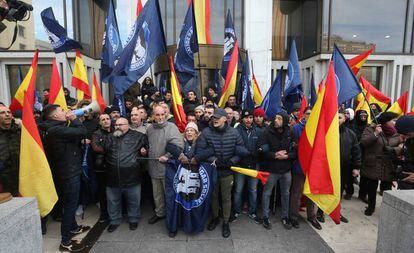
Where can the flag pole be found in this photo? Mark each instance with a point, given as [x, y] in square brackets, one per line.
[199, 69]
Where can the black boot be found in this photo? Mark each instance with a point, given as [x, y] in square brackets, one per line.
[213, 223]
[226, 230]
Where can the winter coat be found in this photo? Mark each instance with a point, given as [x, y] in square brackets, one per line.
[377, 165]
[122, 164]
[63, 147]
[190, 105]
[10, 159]
[98, 141]
[250, 138]
[158, 137]
[350, 153]
[297, 130]
[224, 141]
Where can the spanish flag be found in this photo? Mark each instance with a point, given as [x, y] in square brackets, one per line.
[231, 76]
[80, 78]
[28, 81]
[400, 106]
[202, 19]
[97, 95]
[57, 96]
[177, 100]
[319, 151]
[139, 8]
[35, 177]
[257, 95]
[359, 60]
[261, 175]
[303, 105]
[376, 96]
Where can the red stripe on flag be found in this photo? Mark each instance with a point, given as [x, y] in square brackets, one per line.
[99, 98]
[177, 108]
[231, 67]
[29, 122]
[207, 21]
[336, 214]
[356, 62]
[303, 105]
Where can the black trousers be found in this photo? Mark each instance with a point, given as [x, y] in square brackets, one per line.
[371, 187]
[101, 178]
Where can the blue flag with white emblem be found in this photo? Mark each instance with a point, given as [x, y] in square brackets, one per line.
[186, 47]
[229, 41]
[57, 34]
[111, 46]
[145, 44]
[272, 102]
[245, 84]
[188, 191]
[346, 83]
[293, 84]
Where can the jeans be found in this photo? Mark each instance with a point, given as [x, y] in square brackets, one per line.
[114, 198]
[158, 192]
[240, 179]
[284, 180]
[70, 189]
[223, 185]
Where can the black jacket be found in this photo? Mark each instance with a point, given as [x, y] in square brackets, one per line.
[10, 159]
[350, 152]
[250, 138]
[271, 141]
[224, 142]
[122, 164]
[97, 144]
[63, 146]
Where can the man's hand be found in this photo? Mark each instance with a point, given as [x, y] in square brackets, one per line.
[378, 130]
[86, 141]
[143, 152]
[281, 155]
[163, 159]
[193, 161]
[355, 173]
[409, 178]
[70, 115]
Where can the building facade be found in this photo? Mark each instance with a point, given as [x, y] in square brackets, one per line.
[265, 28]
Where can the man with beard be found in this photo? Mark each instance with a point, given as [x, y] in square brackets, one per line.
[232, 103]
[223, 139]
[63, 135]
[204, 122]
[278, 147]
[405, 127]
[98, 140]
[160, 134]
[123, 150]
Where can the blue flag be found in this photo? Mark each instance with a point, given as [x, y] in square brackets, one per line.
[272, 102]
[245, 84]
[293, 84]
[229, 41]
[57, 34]
[145, 44]
[111, 46]
[216, 82]
[188, 192]
[186, 47]
[313, 95]
[346, 83]
[19, 76]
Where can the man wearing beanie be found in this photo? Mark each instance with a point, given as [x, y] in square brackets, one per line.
[405, 127]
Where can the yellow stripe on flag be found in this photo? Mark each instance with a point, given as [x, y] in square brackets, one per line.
[201, 13]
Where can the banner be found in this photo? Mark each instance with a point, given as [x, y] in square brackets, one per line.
[188, 191]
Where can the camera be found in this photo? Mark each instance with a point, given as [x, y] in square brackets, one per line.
[14, 10]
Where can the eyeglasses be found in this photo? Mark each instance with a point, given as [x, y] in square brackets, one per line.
[118, 125]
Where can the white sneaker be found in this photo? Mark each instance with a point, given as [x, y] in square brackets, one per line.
[79, 211]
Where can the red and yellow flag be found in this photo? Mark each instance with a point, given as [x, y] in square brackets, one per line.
[257, 95]
[97, 95]
[139, 8]
[202, 19]
[35, 177]
[56, 96]
[319, 151]
[80, 78]
[261, 175]
[231, 76]
[401, 105]
[359, 60]
[376, 96]
[27, 85]
[303, 105]
[177, 100]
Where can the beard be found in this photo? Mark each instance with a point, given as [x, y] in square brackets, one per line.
[118, 133]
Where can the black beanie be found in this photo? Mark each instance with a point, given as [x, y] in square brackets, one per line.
[405, 124]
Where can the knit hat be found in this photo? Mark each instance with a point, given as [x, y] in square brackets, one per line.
[192, 125]
[405, 124]
[259, 112]
[200, 107]
[351, 113]
[386, 116]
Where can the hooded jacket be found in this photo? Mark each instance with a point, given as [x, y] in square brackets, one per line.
[271, 141]
[10, 159]
[250, 137]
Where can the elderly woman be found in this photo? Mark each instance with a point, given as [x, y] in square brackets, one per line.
[380, 143]
[190, 136]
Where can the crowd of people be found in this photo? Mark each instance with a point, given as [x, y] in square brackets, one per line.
[127, 154]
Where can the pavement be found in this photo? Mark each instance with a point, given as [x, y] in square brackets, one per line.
[359, 235]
